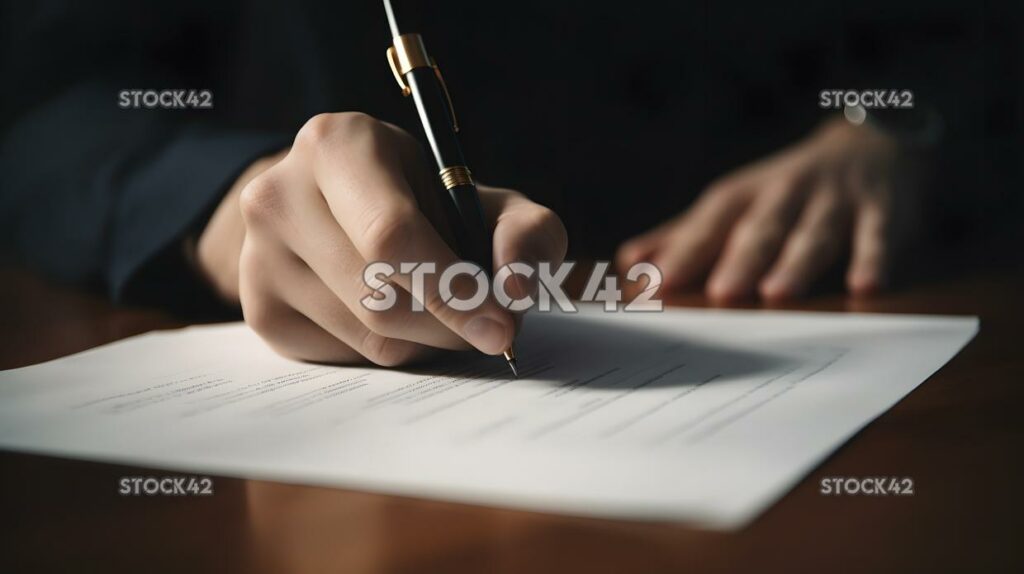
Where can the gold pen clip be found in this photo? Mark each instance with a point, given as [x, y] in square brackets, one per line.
[409, 53]
[393, 60]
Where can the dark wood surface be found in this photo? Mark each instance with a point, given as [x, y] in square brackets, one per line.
[959, 436]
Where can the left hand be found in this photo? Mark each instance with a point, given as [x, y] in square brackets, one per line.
[776, 226]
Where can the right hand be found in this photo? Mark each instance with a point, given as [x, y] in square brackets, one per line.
[354, 190]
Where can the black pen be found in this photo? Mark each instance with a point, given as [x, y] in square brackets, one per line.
[418, 75]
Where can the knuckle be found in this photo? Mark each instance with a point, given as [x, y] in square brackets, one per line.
[718, 190]
[697, 240]
[759, 235]
[315, 131]
[718, 198]
[435, 304]
[546, 222]
[363, 292]
[260, 317]
[262, 199]
[323, 130]
[722, 190]
[547, 219]
[379, 322]
[387, 231]
[248, 260]
[356, 120]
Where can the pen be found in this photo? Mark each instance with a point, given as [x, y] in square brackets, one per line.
[418, 75]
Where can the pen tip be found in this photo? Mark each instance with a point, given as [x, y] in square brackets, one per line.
[510, 356]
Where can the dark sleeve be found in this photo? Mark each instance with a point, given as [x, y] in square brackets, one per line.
[102, 196]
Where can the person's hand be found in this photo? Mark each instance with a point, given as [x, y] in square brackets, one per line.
[776, 226]
[352, 190]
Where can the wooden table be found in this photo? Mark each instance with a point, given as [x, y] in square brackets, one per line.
[959, 436]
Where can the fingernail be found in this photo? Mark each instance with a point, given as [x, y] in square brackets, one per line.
[487, 335]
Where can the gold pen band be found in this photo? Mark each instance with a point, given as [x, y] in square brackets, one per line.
[455, 176]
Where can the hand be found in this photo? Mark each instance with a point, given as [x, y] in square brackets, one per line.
[303, 225]
[776, 226]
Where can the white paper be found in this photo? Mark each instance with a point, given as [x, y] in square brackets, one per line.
[698, 416]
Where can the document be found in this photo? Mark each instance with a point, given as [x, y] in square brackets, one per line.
[697, 416]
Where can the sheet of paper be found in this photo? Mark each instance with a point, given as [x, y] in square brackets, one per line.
[698, 416]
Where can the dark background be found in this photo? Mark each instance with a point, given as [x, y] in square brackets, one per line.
[614, 114]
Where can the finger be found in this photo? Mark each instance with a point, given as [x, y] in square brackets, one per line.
[523, 232]
[643, 247]
[813, 245]
[362, 180]
[283, 328]
[294, 336]
[306, 293]
[868, 265]
[755, 241]
[302, 221]
[431, 197]
[697, 240]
